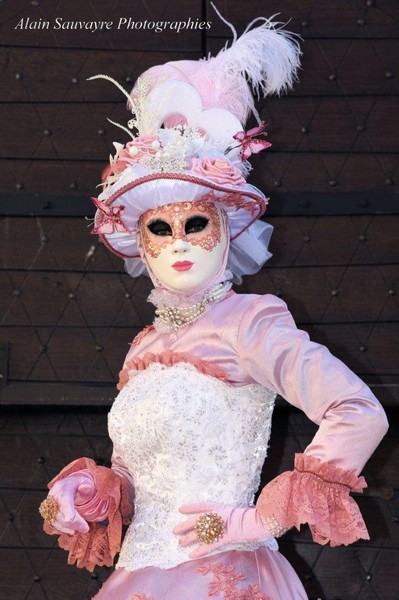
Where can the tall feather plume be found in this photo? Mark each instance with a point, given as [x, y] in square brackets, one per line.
[267, 56]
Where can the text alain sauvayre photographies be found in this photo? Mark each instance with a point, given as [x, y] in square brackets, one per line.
[122, 23]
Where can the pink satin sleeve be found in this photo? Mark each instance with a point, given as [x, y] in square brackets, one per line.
[281, 357]
[351, 425]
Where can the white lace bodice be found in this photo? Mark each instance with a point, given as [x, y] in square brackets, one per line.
[186, 437]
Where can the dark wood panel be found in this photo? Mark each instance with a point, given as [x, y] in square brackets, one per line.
[59, 244]
[342, 125]
[331, 294]
[302, 204]
[302, 125]
[338, 19]
[332, 67]
[51, 299]
[63, 244]
[302, 241]
[284, 172]
[72, 354]
[50, 393]
[348, 67]
[367, 349]
[128, 37]
[67, 131]
[75, 299]
[275, 172]
[341, 67]
[59, 75]
[50, 177]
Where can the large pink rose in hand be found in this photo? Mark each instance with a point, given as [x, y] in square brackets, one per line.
[218, 170]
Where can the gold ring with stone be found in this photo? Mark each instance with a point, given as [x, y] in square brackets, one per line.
[49, 509]
[209, 528]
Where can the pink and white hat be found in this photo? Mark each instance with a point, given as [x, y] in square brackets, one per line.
[189, 117]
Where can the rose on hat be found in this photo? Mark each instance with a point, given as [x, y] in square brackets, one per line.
[218, 170]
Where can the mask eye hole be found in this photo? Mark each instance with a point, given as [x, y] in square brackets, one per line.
[160, 228]
[195, 224]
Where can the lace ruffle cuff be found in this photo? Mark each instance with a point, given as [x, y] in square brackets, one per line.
[103, 540]
[316, 493]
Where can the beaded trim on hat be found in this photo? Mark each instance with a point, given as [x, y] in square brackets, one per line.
[172, 318]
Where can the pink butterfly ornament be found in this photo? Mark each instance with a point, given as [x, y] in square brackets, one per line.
[111, 218]
[248, 144]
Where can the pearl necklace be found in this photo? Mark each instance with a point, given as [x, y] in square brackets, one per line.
[173, 318]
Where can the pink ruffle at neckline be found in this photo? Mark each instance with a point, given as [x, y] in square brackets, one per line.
[169, 359]
[316, 493]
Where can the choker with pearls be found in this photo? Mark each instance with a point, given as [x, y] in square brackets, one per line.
[173, 317]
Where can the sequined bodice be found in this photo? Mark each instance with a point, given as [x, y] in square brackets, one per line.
[185, 437]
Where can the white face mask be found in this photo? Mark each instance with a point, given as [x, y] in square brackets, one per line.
[184, 244]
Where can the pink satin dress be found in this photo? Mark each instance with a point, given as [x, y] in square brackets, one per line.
[192, 422]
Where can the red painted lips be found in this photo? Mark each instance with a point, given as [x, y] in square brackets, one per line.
[184, 265]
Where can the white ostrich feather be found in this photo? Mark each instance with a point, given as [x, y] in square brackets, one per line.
[267, 56]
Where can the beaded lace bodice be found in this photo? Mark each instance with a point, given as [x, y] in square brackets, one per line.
[186, 437]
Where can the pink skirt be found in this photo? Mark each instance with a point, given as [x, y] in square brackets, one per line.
[233, 575]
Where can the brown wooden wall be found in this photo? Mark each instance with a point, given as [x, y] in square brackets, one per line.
[68, 311]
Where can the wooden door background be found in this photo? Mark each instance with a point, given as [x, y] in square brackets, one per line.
[67, 309]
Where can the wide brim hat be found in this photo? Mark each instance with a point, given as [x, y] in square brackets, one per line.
[137, 193]
[190, 144]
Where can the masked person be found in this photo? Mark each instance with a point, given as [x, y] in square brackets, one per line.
[191, 424]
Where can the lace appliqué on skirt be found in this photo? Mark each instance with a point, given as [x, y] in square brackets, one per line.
[225, 582]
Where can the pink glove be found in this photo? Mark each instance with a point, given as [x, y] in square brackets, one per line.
[240, 525]
[77, 502]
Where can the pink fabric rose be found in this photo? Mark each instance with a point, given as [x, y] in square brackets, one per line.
[131, 153]
[145, 144]
[218, 170]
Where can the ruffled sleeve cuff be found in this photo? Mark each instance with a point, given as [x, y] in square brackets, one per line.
[103, 540]
[316, 493]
